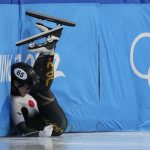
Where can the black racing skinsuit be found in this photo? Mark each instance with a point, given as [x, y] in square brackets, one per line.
[47, 102]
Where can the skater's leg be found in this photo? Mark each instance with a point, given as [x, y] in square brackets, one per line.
[47, 103]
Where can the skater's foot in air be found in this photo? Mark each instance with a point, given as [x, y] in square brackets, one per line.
[49, 45]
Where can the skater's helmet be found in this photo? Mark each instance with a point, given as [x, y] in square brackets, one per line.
[24, 74]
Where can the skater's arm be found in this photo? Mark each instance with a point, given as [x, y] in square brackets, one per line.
[19, 121]
[21, 126]
[27, 132]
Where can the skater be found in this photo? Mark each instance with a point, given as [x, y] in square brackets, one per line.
[34, 108]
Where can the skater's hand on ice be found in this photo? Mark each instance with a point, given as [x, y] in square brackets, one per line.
[47, 132]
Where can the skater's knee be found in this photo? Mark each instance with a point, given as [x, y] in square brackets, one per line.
[59, 128]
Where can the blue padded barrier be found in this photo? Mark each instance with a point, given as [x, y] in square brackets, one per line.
[95, 83]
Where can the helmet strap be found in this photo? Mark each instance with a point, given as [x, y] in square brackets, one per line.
[17, 85]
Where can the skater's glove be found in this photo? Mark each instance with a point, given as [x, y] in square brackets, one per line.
[47, 132]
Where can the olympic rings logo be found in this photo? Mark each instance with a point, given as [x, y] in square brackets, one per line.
[138, 73]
